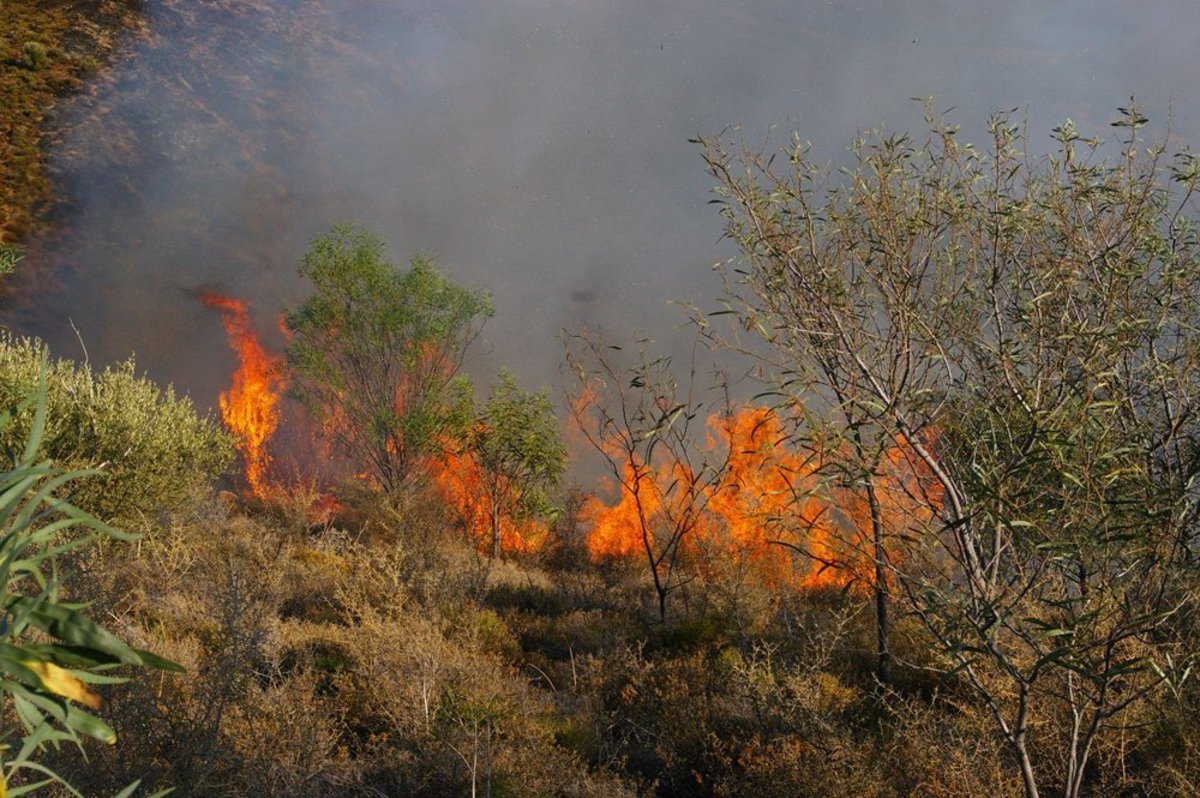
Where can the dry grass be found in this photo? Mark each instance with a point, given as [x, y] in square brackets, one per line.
[47, 50]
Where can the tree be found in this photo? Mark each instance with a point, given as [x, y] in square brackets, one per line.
[642, 420]
[375, 353]
[519, 452]
[1022, 333]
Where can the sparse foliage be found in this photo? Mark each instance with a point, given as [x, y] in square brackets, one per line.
[1026, 330]
[648, 427]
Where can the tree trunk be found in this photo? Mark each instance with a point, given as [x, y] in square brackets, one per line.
[1027, 775]
[1017, 737]
[495, 519]
[883, 651]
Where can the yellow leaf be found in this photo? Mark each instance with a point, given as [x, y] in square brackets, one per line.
[61, 681]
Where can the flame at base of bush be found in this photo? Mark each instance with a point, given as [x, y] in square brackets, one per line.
[769, 514]
[459, 481]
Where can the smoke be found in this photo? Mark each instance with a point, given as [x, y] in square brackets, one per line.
[537, 150]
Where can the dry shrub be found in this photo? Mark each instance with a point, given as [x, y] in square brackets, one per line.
[394, 660]
[316, 668]
[288, 739]
[717, 722]
[943, 748]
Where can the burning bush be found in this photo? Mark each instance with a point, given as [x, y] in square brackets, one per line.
[498, 479]
[375, 354]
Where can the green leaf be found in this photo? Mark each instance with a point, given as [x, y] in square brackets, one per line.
[151, 660]
[72, 627]
[75, 719]
[130, 790]
[1067, 475]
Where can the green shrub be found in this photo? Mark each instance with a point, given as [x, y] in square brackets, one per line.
[36, 56]
[490, 632]
[155, 449]
[9, 257]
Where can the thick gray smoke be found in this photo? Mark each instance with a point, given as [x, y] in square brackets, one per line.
[538, 150]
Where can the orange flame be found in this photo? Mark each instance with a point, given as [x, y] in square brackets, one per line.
[766, 514]
[248, 408]
[653, 506]
[765, 498]
[464, 487]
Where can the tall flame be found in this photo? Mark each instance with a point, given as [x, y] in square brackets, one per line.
[248, 408]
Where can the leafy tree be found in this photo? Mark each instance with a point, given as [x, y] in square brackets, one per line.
[375, 353]
[520, 454]
[1022, 333]
[51, 654]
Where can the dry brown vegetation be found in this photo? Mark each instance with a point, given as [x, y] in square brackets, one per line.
[327, 662]
[392, 658]
[46, 50]
[379, 652]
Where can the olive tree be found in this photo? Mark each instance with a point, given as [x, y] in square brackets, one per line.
[1024, 329]
[154, 452]
[375, 353]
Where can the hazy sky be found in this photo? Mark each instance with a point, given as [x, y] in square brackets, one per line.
[535, 149]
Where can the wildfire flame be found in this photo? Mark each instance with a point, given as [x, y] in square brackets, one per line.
[648, 505]
[462, 485]
[248, 408]
[766, 510]
[766, 497]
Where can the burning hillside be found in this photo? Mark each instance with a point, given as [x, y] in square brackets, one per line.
[766, 508]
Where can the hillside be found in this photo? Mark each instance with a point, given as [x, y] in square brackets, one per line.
[47, 51]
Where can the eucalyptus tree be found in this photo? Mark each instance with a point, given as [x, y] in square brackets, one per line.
[1022, 331]
[520, 454]
[375, 353]
[649, 426]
